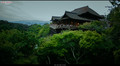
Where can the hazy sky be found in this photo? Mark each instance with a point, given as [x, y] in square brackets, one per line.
[44, 10]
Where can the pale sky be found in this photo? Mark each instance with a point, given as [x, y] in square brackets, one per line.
[44, 10]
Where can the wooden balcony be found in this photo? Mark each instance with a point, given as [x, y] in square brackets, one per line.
[62, 26]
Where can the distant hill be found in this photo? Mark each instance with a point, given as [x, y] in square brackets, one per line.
[31, 22]
[5, 25]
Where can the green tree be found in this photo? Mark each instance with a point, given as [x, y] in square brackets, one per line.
[44, 31]
[114, 31]
[97, 47]
[34, 28]
[60, 48]
[16, 46]
[76, 47]
[98, 26]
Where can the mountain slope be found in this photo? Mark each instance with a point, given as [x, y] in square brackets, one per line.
[5, 25]
[31, 22]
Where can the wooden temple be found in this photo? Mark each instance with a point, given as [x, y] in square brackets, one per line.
[71, 20]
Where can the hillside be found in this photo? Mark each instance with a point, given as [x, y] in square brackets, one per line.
[31, 22]
[5, 25]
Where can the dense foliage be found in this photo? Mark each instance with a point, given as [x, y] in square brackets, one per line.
[5, 25]
[99, 26]
[18, 44]
[76, 47]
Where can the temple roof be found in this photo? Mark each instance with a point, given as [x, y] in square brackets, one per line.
[74, 16]
[77, 14]
[85, 9]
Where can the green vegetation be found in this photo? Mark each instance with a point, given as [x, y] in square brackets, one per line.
[99, 26]
[93, 43]
[18, 44]
[5, 25]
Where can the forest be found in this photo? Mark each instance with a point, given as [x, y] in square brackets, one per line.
[99, 44]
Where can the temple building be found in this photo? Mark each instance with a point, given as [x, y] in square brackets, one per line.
[71, 20]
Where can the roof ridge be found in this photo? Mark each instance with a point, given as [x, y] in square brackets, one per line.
[94, 12]
[81, 7]
[70, 12]
[85, 9]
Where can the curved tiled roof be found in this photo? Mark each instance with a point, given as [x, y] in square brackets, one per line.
[75, 16]
[85, 9]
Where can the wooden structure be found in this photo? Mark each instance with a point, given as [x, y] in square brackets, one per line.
[71, 20]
